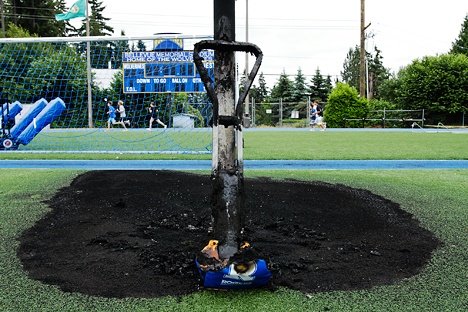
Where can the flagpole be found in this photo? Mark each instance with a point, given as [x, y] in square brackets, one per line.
[88, 61]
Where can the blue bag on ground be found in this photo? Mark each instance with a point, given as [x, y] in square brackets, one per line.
[256, 276]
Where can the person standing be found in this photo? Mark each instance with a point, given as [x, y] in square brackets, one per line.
[154, 112]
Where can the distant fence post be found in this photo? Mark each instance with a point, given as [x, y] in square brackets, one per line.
[281, 113]
[422, 118]
[383, 122]
[253, 113]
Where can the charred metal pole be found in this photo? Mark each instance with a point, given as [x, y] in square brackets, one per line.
[227, 172]
[227, 198]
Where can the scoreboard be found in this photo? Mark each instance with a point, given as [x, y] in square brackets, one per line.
[164, 71]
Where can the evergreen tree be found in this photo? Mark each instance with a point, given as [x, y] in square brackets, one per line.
[378, 74]
[242, 81]
[262, 88]
[68, 30]
[97, 21]
[283, 89]
[461, 44]
[350, 73]
[35, 16]
[260, 93]
[141, 46]
[101, 52]
[262, 99]
[328, 86]
[319, 88]
[376, 71]
[119, 47]
[300, 87]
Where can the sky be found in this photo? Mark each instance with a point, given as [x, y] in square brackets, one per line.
[305, 34]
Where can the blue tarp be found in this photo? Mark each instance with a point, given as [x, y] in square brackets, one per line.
[45, 117]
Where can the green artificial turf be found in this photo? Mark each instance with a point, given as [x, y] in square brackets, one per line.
[299, 145]
[437, 198]
[354, 145]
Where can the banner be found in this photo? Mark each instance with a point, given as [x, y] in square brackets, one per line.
[78, 9]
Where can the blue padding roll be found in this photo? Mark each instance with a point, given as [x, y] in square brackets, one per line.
[12, 111]
[45, 117]
[36, 108]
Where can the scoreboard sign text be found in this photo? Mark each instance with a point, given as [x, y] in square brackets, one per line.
[164, 71]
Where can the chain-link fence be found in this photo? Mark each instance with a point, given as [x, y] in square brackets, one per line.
[280, 114]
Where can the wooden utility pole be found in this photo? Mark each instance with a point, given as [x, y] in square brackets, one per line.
[362, 67]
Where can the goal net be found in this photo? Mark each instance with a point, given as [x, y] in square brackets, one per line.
[83, 75]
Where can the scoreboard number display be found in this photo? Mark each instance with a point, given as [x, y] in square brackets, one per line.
[164, 71]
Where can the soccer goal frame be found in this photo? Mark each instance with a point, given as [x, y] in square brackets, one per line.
[88, 72]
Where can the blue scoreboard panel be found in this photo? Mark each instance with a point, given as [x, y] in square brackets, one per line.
[164, 71]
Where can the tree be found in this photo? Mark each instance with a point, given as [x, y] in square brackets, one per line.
[243, 80]
[35, 16]
[47, 70]
[344, 103]
[300, 87]
[377, 73]
[389, 89]
[320, 88]
[119, 47]
[328, 86]
[283, 89]
[141, 46]
[67, 29]
[62, 72]
[11, 63]
[461, 43]
[101, 52]
[435, 83]
[97, 21]
[350, 73]
[259, 93]
[13, 31]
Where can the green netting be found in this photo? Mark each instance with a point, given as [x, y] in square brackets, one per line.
[44, 68]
